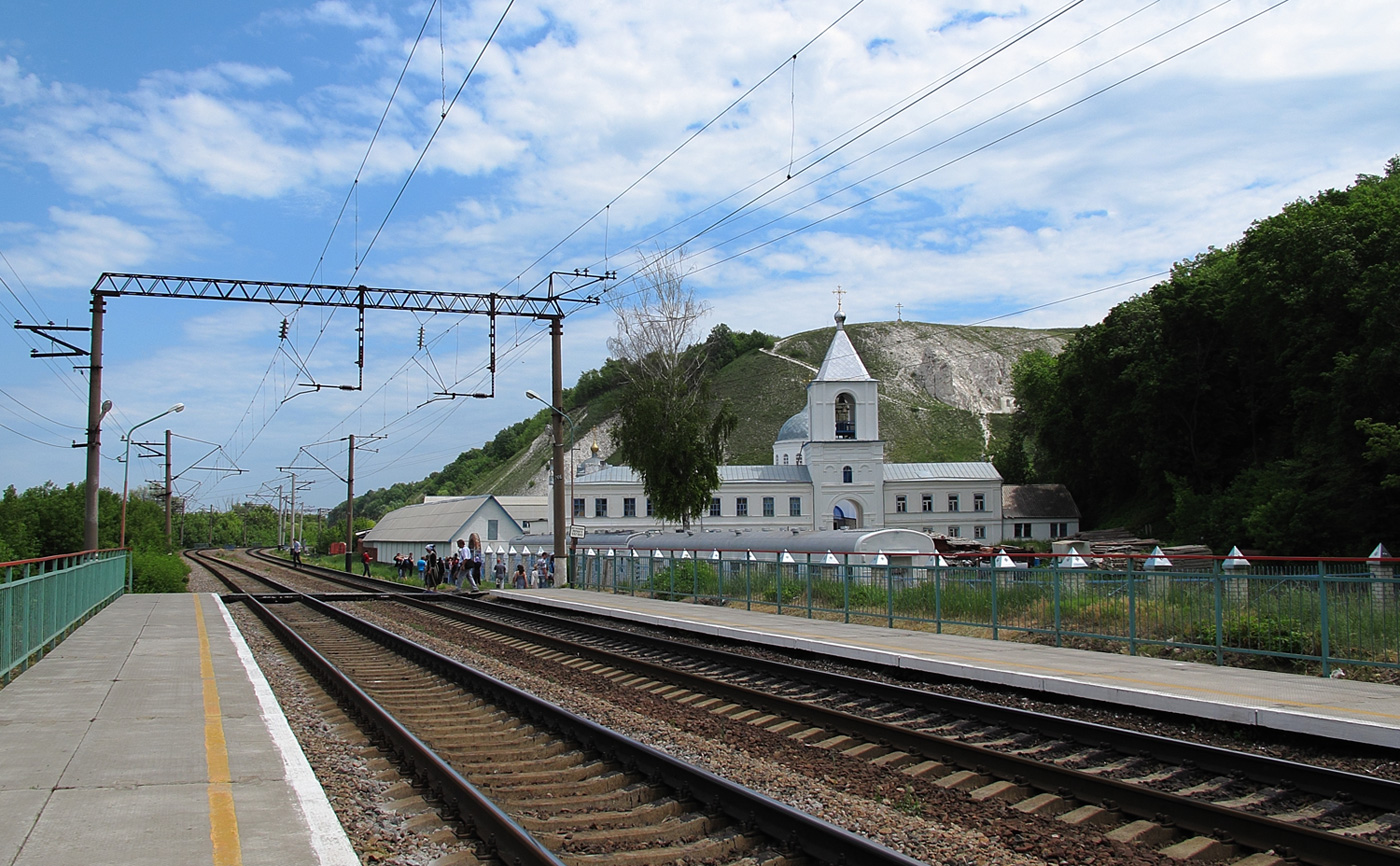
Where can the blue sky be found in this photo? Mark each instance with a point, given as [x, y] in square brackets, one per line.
[968, 161]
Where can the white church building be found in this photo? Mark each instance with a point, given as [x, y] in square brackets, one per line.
[828, 472]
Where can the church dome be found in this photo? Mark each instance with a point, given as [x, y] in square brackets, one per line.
[795, 427]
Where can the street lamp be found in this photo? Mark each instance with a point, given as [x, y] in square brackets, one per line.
[126, 474]
[559, 481]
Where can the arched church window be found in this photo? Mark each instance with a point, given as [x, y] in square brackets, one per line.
[846, 475]
[785, 457]
[799, 458]
[845, 417]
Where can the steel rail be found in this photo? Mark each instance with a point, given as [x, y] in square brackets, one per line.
[511, 842]
[1253, 831]
[817, 839]
[344, 578]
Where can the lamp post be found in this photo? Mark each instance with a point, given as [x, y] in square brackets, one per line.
[126, 474]
[559, 549]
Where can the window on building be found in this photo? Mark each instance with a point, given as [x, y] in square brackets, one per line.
[493, 530]
[845, 417]
[794, 506]
[600, 507]
[846, 475]
[979, 502]
[649, 514]
[578, 508]
[953, 502]
[928, 502]
[629, 506]
[714, 507]
[1059, 530]
[798, 459]
[979, 532]
[901, 504]
[768, 506]
[955, 532]
[785, 460]
[1021, 530]
[741, 506]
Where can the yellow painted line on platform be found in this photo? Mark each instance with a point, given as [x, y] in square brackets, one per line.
[223, 822]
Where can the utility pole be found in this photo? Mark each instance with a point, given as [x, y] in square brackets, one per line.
[96, 410]
[350, 508]
[294, 508]
[556, 425]
[169, 494]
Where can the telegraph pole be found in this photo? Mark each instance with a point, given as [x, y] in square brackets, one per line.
[169, 494]
[350, 509]
[95, 413]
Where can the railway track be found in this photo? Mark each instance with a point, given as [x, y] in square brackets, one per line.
[539, 785]
[1181, 798]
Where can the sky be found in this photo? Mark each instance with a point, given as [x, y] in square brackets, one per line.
[1024, 164]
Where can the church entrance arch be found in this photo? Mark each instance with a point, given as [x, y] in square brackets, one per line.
[846, 514]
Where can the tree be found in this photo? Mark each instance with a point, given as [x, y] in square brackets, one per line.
[669, 429]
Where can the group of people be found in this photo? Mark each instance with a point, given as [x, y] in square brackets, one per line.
[541, 576]
[460, 570]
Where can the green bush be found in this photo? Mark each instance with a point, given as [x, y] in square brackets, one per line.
[1273, 634]
[685, 578]
[159, 572]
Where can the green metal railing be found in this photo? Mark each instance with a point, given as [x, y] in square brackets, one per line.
[43, 600]
[1297, 613]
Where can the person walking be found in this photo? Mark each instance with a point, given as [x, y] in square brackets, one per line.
[474, 560]
[520, 576]
[364, 560]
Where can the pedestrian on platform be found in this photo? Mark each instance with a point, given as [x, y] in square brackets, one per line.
[474, 560]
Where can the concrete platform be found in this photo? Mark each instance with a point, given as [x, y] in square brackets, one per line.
[150, 736]
[1339, 708]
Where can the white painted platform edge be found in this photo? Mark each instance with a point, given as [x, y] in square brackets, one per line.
[328, 837]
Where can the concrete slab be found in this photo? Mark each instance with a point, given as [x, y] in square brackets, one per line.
[40, 765]
[21, 810]
[104, 749]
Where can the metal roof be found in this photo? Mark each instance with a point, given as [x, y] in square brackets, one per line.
[842, 364]
[941, 472]
[796, 427]
[426, 522]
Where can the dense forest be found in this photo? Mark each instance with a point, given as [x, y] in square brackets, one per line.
[1252, 398]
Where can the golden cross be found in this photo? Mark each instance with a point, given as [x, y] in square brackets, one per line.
[838, 293]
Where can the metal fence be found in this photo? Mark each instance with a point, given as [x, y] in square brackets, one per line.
[1313, 615]
[43, 600]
